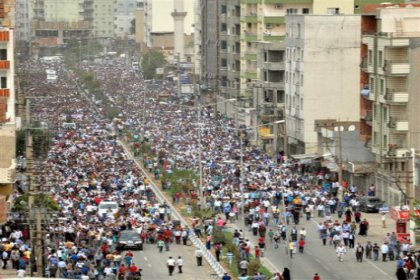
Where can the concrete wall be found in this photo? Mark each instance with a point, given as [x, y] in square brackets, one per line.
[331, 70]
[320, 7]
[139, 36]
[414, 94]
[62, 10]
[396, 19]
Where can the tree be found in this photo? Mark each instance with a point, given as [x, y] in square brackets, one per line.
[133, 26]
[152, 60]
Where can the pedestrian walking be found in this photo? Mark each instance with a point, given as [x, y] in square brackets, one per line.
[179, 263]
[160, 245]
[375, 250]
[316, 277]
[368, 250]
[384, 251]
[301, 245]
[341, 251]
[359, 252]
[170, 263]
[199, 257]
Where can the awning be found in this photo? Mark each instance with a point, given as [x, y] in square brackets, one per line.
[306, 158]
[361, 167]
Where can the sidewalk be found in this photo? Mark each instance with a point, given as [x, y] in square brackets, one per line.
[8, 273]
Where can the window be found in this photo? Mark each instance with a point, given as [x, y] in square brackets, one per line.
[370, 57]
[380, 58]
[305, 11]
[223, 62]
[3, 82]
[372, 84]
[291, 11]
[298, 30]
[223, 45]
[382, 86]
[3, 54]
[333, 11]
[223, 27]
[223, 9]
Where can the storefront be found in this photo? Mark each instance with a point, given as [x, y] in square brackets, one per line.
[401, 216]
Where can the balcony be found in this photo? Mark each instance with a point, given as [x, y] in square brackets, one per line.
[392, 67]
[251, 56]
[273, 38]
[274, 20]
[251, 75]
[299, 66]
[251, 37]
[396, 152]
[8, 175]
[398, 125]
[251, 18]
[393, 96]
[364, 64]
[4, 36]
[4, 64]
[4, 92]
[274, 66]
[276, 85]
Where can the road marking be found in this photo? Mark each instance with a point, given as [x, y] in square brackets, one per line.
[383, 272]
[318, 261]
[149, 265]
[145, 258]
[326, 267]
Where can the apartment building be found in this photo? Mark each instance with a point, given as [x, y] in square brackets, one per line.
[229, 44]
[124, 16]
[22, 23]
[390, 97]
[103, 18]
[7, 106]
[322, 73]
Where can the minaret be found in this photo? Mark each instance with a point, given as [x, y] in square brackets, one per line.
[178, 14]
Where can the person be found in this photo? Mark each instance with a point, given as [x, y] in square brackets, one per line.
[383, 219]
[341, 251]
[21, 273]
[160, 245]
[180, 263]
[363, 228]
[243, 265]
[199, 257]
[368, 250]
[384, 251]
[316, 277]
[171, 265]
[359, 252]
[375, 250]
[286, 274]
[301, 245]
[291, 248]
[226, 276]
[401, 275]
[348, 215]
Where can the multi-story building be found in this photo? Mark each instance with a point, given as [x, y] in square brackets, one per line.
[322, 73]
[124, 16]
[390, 99]
[22, 24]
[207, 47]
[103, 18]
[7, 105]
[229, 44]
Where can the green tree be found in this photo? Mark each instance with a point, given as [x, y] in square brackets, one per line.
[133, 26]
[152, 60]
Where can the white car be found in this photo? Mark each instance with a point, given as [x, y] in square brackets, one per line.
[110, 207]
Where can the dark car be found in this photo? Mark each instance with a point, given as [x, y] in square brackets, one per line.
[370, 204]
[129, 239]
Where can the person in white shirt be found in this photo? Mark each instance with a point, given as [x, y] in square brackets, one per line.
[179, 263]
[170, 263]
[341, 251]
[21, 273]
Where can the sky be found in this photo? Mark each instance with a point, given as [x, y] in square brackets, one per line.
[162, 19]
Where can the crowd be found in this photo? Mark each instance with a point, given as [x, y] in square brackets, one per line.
[86, 166]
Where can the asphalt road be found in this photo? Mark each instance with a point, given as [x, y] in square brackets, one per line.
[153, 263]
[321, 259]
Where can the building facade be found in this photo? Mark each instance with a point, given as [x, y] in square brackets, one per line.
[22, 24]
[7, 104]
[103, 18]
[124, 16]
[322, 73]
[390, 93]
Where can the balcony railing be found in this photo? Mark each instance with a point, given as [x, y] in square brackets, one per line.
[4, 36]
[396, 67]
[4, 64]
[4, 92]
[395, 96]
[8, 175]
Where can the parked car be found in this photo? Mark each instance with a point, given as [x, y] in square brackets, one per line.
[370, 204]
[129, 239]
[105, 207]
